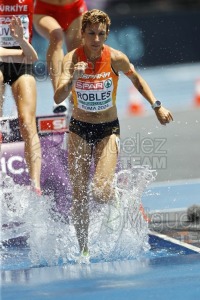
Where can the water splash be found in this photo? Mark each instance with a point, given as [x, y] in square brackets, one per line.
[117, 230]
[126, 235]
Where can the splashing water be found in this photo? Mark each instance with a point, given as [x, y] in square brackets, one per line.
[120, 230]
[117, 230]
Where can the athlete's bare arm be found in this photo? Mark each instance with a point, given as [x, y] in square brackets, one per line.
[120, 62]
[71, 71]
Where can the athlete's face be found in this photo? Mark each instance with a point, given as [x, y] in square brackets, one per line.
[94, 36]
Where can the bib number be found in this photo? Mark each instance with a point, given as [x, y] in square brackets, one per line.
[6, 40]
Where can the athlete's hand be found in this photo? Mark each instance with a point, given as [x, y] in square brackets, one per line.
[16, 28]
[79, 69]
[164, 115]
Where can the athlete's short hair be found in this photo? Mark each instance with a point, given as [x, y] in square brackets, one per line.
[95, 16]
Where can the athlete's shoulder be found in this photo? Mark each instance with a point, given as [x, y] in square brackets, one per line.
[117, 55]
[119, 60]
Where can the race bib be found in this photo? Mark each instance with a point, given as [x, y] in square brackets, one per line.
[94, 96]
[6, 40]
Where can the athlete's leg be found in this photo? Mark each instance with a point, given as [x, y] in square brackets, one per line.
[79, 161]
[2, 90]
[49, 28]
[73, 34]
[24, 92]
[73, 40]
[106, 155]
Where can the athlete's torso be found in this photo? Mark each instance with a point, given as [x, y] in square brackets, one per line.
[94, 94]
[59, 2]
[8, 8]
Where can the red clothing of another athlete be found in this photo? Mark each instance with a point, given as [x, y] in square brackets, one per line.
[21, 8]
[64, 14]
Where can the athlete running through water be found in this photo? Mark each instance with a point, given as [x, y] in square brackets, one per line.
[91, 72]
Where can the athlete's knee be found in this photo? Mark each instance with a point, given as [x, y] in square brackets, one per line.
[56, 37]
[27, 119]
[27, 125]
[102, 191]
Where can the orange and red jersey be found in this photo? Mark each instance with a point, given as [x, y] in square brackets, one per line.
[21, 8]
[96, 89]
